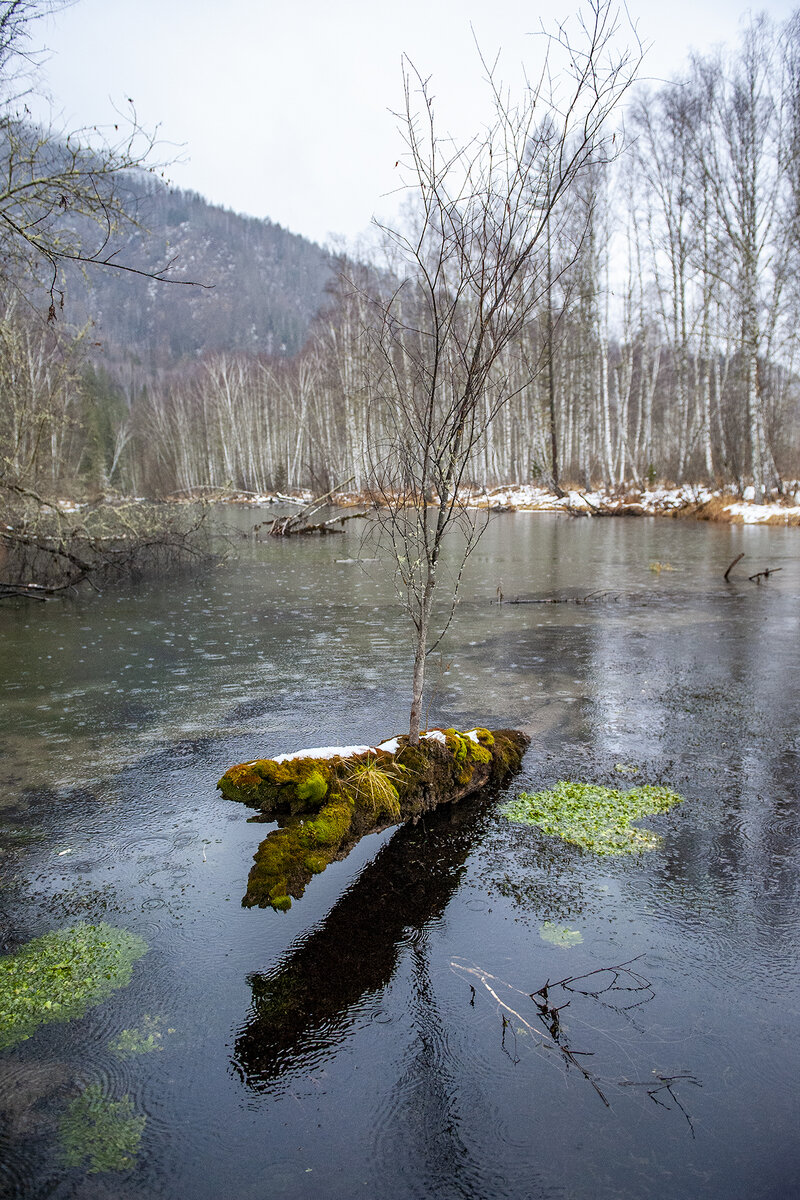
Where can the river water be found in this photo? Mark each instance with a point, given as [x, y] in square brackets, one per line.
[358, 1045]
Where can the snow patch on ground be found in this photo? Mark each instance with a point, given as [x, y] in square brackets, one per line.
[756, 514]
[651, 501]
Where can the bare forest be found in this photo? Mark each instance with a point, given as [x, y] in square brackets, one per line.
[662, 346]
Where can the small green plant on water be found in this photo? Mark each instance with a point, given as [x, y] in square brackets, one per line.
[105, 1132]
[369, 784]
[560, 935]
[145, 1040]
[59, 976]
[595, 818]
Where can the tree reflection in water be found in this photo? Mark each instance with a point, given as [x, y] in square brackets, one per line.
[302, 1007]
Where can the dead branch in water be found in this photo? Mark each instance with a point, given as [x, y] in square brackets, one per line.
[291, 525]
[608, 986]
[300, 522]
[46, 550]
[589, 598]
[765, 574]
[738, 558]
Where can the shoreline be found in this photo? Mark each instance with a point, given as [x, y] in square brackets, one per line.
[693, 503]
[699, 503]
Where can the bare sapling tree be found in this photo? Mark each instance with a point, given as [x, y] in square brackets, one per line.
[473, 273]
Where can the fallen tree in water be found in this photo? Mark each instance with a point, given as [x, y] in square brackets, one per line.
[48, 548]
[326, 800]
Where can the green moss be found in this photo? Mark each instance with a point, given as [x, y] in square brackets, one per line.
[508, 746]
[593, 817]
[332, 824]
[312, 789]
[316, 863]
[287, 859]
[363, 793]
[105, 1132]
[457, 744]
[292, 786]
[59, 976]
[413, 760]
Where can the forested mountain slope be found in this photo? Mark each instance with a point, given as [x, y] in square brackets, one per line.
[264, 285]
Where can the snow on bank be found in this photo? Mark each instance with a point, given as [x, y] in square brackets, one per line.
[762, 514]
[711, 504]
[653, 501]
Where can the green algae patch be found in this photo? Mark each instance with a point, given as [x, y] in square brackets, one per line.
[595, 818]
[324, 806]
[59, 976]
[100, 1133]
[147, 1039]
[560, 935]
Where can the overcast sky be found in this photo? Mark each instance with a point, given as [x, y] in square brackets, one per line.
[282, 110]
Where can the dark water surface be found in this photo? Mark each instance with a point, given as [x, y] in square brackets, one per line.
[337, 1050]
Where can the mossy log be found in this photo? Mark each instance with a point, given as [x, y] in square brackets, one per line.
[324, 805]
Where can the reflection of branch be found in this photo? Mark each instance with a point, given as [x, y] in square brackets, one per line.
[666, 1083]
[483, 977]
[638, 983]
[618, 978]
[551, 1021]
[299, 1010]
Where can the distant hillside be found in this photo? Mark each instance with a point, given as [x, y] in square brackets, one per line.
[268, 284]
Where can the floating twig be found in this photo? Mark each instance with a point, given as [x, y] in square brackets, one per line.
[666, 1083]
[589, 598]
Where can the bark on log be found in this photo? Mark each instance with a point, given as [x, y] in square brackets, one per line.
[325, 805]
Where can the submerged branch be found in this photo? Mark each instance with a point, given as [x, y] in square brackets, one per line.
[46, 551]
[619, 988]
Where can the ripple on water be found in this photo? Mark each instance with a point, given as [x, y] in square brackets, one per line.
[30, 1093]
[114, 1075]
[17, 1171]
[439, 1139]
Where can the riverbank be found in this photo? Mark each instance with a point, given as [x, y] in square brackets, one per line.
[695, 502]
[699, 503]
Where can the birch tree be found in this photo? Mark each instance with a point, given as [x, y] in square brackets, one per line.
[740, 156]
